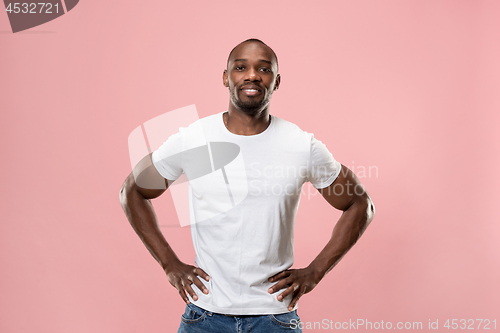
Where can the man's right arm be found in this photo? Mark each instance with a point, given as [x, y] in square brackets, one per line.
[141, 185]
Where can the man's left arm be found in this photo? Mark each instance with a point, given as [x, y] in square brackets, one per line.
[347, 194]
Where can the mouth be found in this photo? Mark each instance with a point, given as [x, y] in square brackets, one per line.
[251, 90]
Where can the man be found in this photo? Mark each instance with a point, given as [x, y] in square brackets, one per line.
[243, 240]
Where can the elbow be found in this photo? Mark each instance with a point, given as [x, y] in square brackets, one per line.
[123, 195]
[369, 209]
[124, 191]
[365, 210]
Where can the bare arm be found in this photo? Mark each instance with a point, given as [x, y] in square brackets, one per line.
[135, 201]
[347, 194]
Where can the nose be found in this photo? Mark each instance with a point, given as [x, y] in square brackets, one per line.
[252, 75]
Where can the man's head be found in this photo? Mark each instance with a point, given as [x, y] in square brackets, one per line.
[255, 40]
[251, 76]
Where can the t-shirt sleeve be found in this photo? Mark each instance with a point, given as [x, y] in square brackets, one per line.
[167, 158]
[323, 169]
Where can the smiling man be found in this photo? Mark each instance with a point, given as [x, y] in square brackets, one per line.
[242, 279]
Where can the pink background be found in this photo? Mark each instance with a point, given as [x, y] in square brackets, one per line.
[410, 88]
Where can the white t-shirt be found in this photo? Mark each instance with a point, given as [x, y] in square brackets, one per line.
[244, 192]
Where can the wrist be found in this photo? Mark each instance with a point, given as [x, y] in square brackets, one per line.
[169, 263]
[317, 270]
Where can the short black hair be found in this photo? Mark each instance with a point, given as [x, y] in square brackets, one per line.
[252, 40]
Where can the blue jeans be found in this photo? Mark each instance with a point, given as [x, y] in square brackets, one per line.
[198, 320]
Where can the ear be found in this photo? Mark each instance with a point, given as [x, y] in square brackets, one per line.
[277, 82]
[225, 79]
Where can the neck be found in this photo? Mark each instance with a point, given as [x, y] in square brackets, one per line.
[240, 123]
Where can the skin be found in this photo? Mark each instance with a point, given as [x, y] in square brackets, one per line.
[347, 194]
[251, 64]
[135, 201]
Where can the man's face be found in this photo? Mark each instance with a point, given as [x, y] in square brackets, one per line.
[252, 76]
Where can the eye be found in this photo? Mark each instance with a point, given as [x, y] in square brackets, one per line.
[239, 68]
[265, 69]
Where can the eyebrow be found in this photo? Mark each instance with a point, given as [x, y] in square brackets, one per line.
[262, 60]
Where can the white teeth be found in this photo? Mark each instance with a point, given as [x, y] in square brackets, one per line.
[252, 90]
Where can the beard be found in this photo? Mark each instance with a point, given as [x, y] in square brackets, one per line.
[251, 107]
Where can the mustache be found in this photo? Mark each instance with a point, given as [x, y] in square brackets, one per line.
[250, 84]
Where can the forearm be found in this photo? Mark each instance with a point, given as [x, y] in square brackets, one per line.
[346, 233]
[141, 215]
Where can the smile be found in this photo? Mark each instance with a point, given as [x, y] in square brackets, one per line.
[250, 91]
